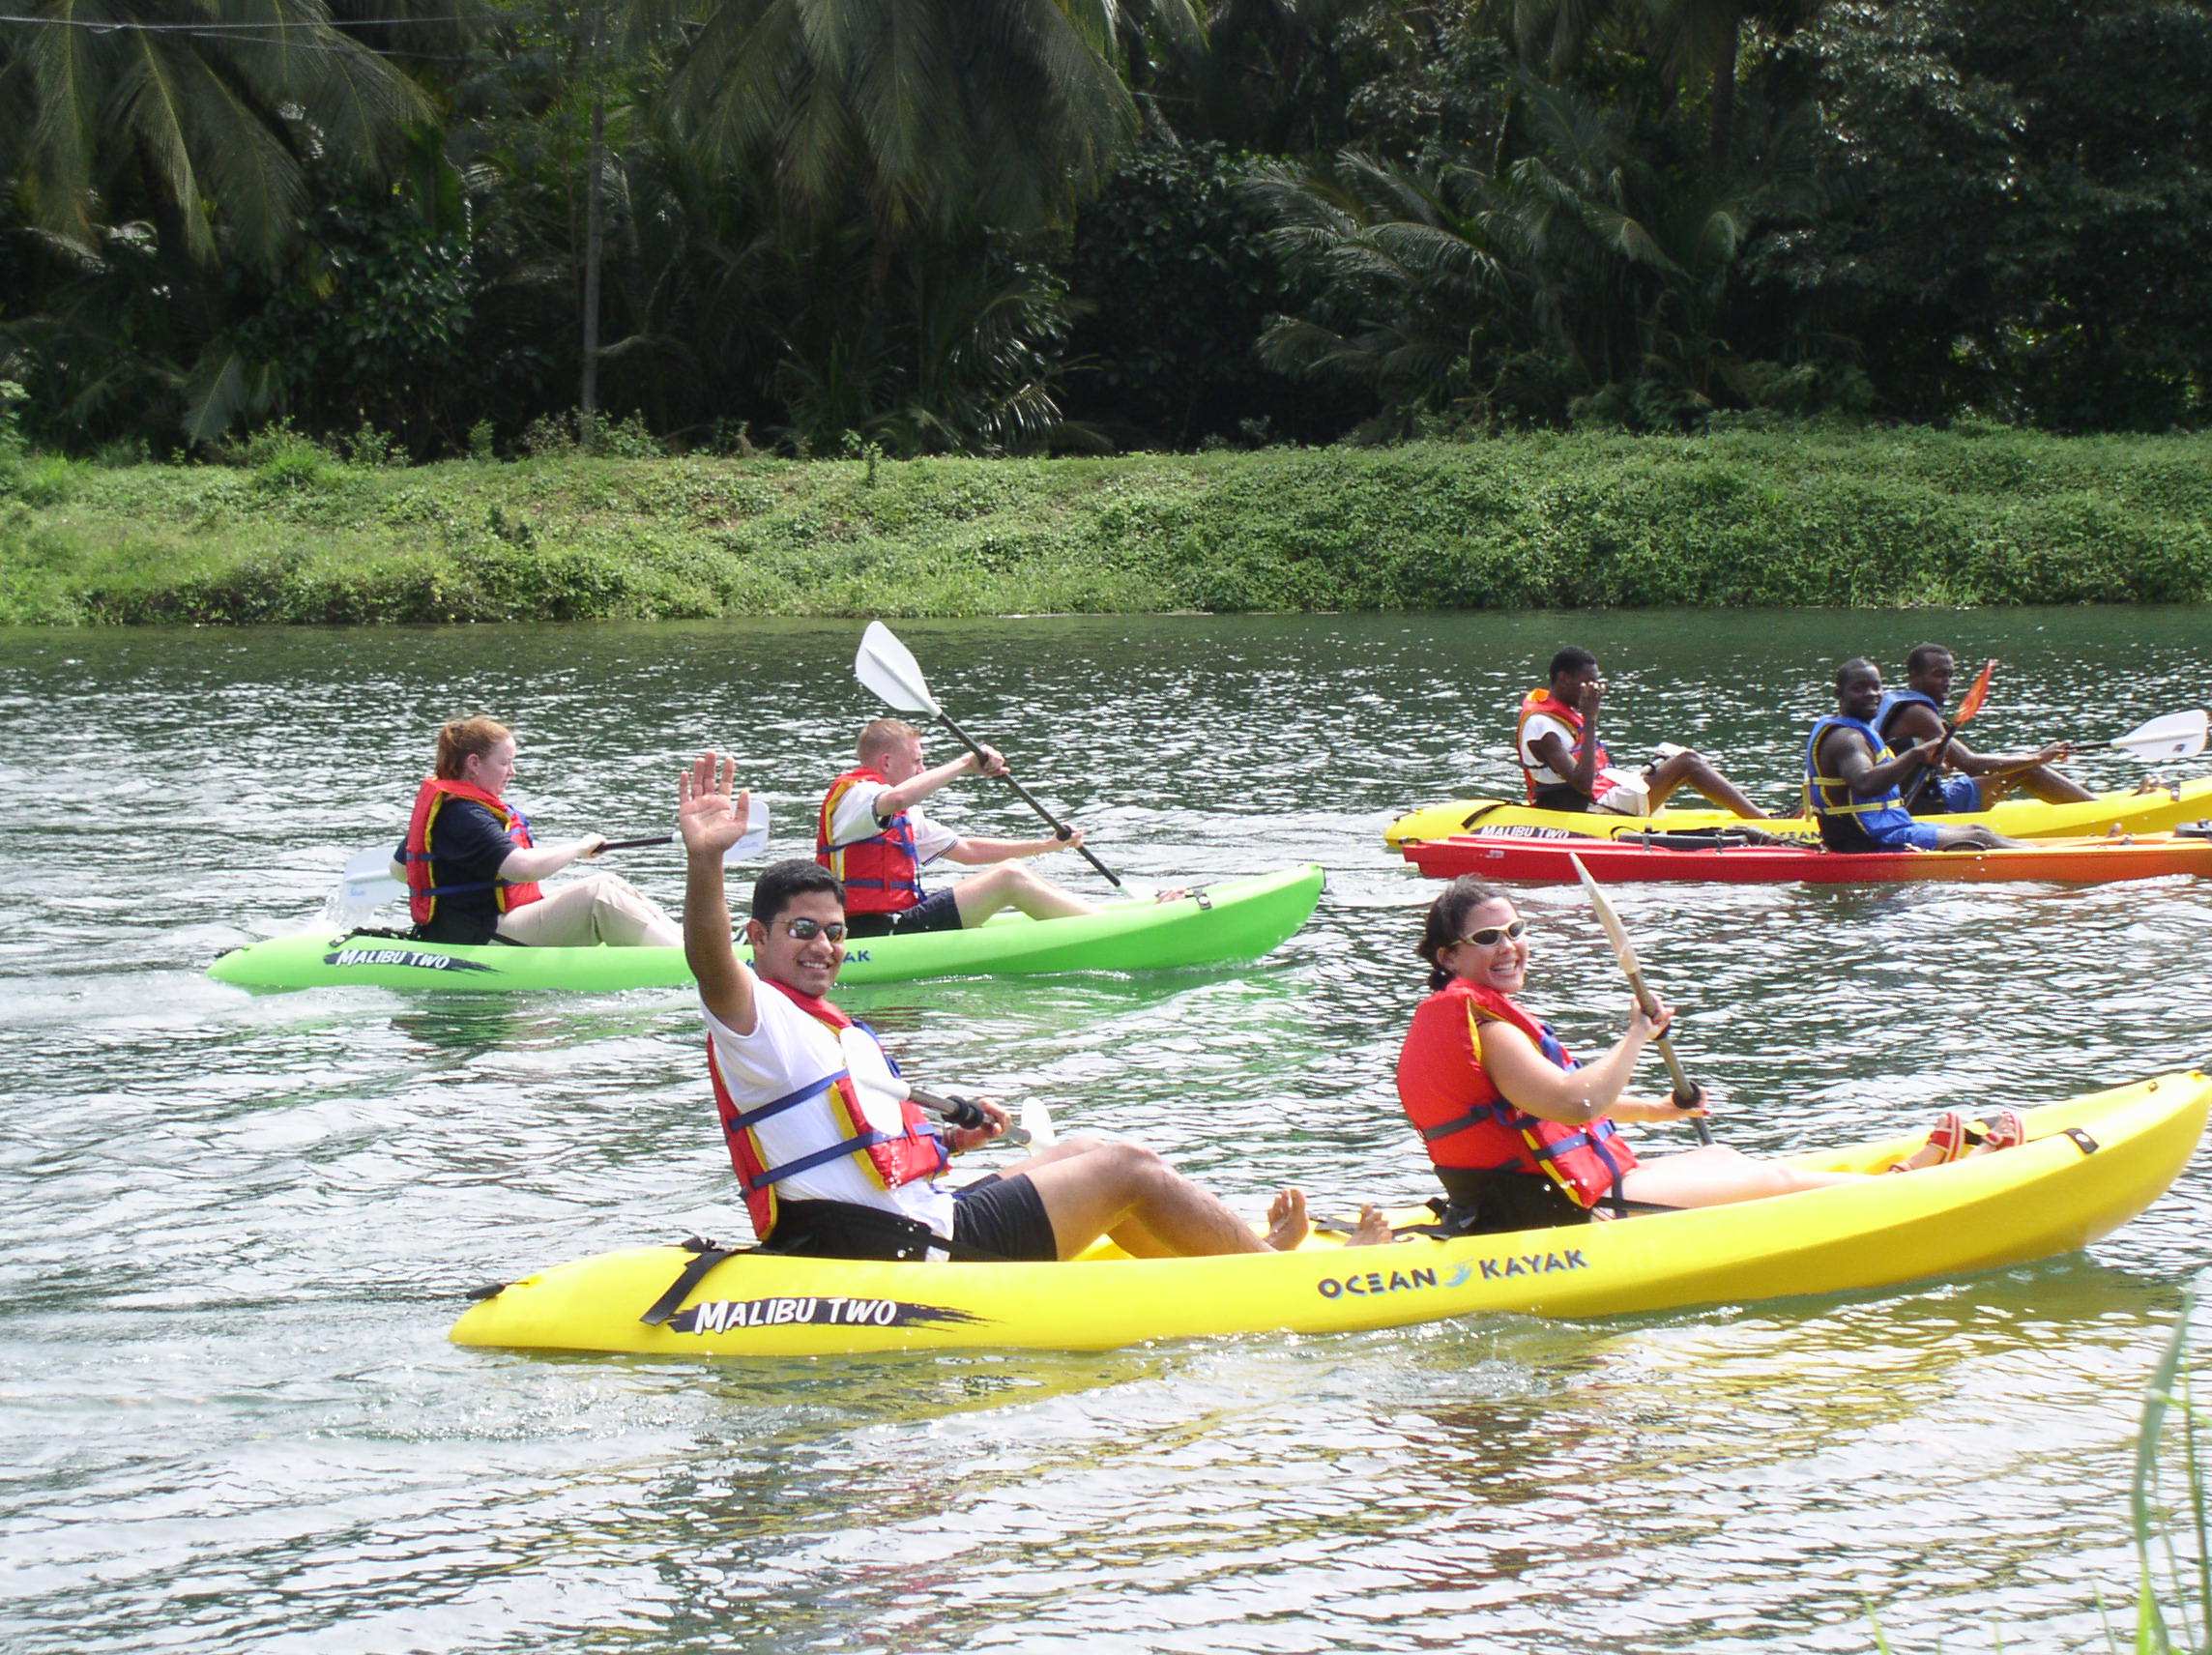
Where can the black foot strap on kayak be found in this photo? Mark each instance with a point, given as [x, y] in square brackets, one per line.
[2081, 1140]
[705, 1255]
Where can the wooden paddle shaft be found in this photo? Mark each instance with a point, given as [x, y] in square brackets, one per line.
[1684, 1088]
[1053, 822]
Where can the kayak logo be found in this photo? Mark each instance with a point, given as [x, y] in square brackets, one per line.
[811, 1311]
[1373, 1282]
[856, 956]
[405, 957]
[1532, 1265]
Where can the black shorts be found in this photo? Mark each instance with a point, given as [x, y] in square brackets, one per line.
[936, 912]
[1006, 1217]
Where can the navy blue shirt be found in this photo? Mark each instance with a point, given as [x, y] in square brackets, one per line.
[467, 845]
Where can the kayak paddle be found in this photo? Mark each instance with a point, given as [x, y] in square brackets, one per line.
[1625, 951]
[2175, 736]
[887, 670]
[368, 882]
[1036, 1126]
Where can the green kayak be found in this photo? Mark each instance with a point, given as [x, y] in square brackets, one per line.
[1235, 921]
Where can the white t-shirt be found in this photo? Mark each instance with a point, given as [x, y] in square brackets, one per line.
[1609, 779]
[855, 820]
[790, 1050]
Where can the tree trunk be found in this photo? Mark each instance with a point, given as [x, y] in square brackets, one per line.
[1724, 97]
[594, 249]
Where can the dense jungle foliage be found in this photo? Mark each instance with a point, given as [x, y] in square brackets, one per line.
[822, 227]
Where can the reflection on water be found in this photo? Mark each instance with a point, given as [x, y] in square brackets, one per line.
[233, 1230]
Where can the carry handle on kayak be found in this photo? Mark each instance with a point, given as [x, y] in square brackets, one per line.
[887, 670]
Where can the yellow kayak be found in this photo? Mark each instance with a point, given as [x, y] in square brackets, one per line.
[2090, 1164]
[2158, 811]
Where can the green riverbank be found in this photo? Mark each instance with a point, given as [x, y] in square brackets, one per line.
[1861, 519]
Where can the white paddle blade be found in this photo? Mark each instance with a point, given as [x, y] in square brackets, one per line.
[368, 882]
[754, 844]
[1036, 1122]
[2176, 736]
[887, 670]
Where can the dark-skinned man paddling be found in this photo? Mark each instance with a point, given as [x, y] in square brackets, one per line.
[1975, 781]
[1566, 767]
[835, 1157]
[1853, 781]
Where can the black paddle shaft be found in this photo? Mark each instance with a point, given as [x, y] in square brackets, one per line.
[1060, 828]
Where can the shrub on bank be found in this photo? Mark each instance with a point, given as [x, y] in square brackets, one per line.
[295, 532]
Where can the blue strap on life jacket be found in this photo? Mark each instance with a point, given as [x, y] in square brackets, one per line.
[867, 1140]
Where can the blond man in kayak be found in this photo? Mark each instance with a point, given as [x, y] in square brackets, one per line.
[834, 1155]
[873, 836]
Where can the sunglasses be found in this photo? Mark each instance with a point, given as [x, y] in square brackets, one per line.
[806, 930]
[1490, 936]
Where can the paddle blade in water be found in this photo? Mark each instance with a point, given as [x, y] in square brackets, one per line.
[2176, 736]
[1975, 696]
[888, 671]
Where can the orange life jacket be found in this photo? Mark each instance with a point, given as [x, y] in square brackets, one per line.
[429, 798]
[1466, 1123]
[889, 1158]
[882, 874]
[1542, 702]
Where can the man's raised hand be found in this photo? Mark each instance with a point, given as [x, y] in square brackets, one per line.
[708, 817]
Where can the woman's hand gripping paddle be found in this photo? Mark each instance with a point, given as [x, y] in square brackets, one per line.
[368, 882]
[1623, 950]
[887, 670]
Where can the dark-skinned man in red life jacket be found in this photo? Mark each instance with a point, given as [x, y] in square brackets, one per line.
[871, 835]
[1524, 1136]
[472, 868]
[1853, 781]
[1974, 781]
[1565, 766]
[834, 1157]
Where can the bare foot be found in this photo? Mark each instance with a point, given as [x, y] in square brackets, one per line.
[1287, 1221]
[1371, 1231]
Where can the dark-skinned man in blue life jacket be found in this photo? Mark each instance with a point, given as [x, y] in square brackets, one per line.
[1966, 780]
[1852, 780]
[835, 1158]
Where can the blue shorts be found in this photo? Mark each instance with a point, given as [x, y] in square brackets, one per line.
[1952, 796]
[1918, 836]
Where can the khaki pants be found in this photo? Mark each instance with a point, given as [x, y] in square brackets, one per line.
[604, 908]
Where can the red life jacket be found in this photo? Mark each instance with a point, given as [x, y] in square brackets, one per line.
[1541, 701]
[429, 798]
[889, 1158]
[883, 873]
[1466, 1123]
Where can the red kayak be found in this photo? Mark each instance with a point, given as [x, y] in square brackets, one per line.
[1675, 856]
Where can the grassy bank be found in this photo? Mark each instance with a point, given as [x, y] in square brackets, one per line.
[1871, 520]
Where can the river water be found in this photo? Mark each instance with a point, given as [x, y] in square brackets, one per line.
[234, 1230]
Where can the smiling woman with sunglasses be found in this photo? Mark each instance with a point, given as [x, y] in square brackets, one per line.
[1520, 1133]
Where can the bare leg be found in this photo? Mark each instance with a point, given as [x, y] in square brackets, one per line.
[1692, 770]
[1972, 839]
[1096, 1193]
[1717, 1175]
[1010, 886]
[2051, 786]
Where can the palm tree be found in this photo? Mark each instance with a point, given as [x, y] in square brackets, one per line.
[935, 114]
[201, 114]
